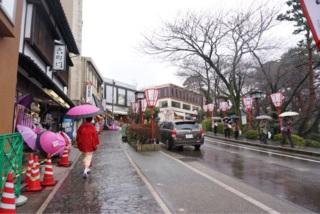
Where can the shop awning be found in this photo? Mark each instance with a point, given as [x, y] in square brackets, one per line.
[34, 71]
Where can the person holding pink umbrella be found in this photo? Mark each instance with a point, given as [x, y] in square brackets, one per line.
[87, 137]
[87, 141]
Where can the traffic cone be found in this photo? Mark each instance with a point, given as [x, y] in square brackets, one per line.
[64, 161]
[29, 168]
[48, 179]
[34, 183]
[8, 200]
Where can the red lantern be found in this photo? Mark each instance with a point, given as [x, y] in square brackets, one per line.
[277, 99]
[247, 102]
[144, 105]
[152, 96]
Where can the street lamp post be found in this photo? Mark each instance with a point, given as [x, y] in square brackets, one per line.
[152, 98]
[113, 84]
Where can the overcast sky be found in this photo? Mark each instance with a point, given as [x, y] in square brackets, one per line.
[112, 31]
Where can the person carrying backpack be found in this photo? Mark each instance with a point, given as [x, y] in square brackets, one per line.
[87, 141]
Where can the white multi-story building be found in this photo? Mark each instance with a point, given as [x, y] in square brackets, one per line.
[176, 102]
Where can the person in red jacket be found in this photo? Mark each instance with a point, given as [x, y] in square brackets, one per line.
[87, 141]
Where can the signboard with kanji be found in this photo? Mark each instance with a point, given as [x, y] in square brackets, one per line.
[59, 58]
[311, 10]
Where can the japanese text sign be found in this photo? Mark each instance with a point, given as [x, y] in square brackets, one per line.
[247, 102]
[59, 60]
[277, 99]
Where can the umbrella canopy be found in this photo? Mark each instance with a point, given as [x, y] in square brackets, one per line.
[83, 111]
[52, 143]
[28, 135]
[226, 118]
[288, 114]
[25, 100]
[216, 118]
[264, 117]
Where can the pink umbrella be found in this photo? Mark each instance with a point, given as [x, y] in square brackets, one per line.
[52, 143]
[28, 135]
[83, 111]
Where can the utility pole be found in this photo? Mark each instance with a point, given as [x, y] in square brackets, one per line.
[113, 84]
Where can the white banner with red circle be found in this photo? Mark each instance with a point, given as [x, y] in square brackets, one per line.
[277, 99]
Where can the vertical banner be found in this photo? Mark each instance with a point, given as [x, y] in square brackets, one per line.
[89, 98]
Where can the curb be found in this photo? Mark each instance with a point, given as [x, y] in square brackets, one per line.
[278, 148]
[57, 187]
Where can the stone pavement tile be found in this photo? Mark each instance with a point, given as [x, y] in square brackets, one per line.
[112, 187]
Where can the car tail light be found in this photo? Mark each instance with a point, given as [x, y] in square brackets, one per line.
[202, 133]
[174, 134]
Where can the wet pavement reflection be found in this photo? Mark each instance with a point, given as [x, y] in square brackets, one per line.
[283, 177]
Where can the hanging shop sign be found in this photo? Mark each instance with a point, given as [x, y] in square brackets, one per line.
[59, 60]
[311, 10]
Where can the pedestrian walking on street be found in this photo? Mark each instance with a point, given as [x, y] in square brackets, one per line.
[286, 131]
[215, 127]
[236, 129]
[87, 141]
[263, 130]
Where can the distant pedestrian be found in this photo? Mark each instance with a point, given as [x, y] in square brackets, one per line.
[87, 141]
[215, 127]
[286, 131]
[236, 129]
[263, 131]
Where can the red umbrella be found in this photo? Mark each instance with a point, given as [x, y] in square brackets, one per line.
[83, 111]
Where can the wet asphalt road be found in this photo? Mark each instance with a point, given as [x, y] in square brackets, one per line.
[112, 187]
[297, 181]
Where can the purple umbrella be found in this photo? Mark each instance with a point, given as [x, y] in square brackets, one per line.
[28, 135]
[52, 143]
[25, 100]
[83, 111]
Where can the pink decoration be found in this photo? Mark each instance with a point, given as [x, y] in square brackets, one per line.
[52, 143]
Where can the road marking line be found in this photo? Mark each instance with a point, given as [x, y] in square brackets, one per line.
[149, 186]
[225, 186]
[274, 153]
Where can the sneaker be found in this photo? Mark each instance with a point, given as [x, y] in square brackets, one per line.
[85, 175]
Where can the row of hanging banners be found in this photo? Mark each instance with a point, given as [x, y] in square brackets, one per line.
[276, 98]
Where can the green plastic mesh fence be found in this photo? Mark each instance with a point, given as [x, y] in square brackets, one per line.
[11, 152]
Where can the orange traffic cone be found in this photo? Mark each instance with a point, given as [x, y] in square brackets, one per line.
[8, 200]
[48, 179]
[64, 161]
[34, 183]
[29, 168]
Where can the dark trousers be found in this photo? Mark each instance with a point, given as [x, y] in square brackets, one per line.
[236, 134]
[264, 138]
[227, 133]
[285, 136]
[215, 130]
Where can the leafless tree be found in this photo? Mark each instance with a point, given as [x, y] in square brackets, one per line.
[221, 41]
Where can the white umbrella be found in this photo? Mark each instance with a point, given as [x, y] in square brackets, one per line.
[264, 117]
[288, 114]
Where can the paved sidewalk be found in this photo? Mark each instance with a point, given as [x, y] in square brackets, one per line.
[36, 199]
[271, 145]
[112, 187]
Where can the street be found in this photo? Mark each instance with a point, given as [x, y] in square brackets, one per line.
[217, 179]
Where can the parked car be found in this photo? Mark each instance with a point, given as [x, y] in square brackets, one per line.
[181, 133]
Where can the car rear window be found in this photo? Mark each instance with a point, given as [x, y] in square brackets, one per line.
[186, 126]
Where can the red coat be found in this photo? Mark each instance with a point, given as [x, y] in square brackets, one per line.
[87, 137]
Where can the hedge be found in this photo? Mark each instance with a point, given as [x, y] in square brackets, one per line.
[251, 134]
[141, 133]
[207, 125]
[297, 140]
[312, 143]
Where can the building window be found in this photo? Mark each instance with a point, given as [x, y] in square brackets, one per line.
[121, 96]
[163, 104]
[186, 107]
[175, 104]
[195, 108]
[109, 94]
[130, 97]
